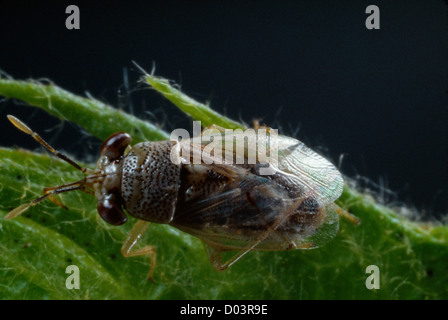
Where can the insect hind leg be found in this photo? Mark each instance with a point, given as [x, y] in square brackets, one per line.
[215, 256]
[347, 215]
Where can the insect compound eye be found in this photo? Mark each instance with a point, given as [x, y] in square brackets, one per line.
[110, 210]
[114, 146]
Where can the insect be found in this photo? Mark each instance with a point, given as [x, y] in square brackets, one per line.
[230, 207]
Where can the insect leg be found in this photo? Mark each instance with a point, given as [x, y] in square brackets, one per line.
[22, 208]
[137, 231]
[53, 199]
[294, 245]
[256, 123]
[214, 127]
[215, 256]
[347, 215]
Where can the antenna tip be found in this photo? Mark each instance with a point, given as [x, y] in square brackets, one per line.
[17, 211]
[19, 124]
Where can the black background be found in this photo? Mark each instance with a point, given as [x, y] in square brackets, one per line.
[309, 68]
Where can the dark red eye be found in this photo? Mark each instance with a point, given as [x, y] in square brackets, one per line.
[111, 212]
[114, 146]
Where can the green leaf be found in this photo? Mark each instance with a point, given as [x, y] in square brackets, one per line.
[84, 111]
[37, 247]
[189, 106]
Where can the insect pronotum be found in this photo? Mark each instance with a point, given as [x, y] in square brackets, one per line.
[230, 207]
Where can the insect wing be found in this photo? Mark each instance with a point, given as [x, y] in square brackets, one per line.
[227, 219]
[310, 170]
[287, 156]
[235, 216]
[228, 147]
[321, 235]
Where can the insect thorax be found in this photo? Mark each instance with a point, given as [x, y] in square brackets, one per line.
[150, 181]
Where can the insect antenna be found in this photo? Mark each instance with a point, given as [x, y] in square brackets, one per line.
[23, 127]
[48, 192]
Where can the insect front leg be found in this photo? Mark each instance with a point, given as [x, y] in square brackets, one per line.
[128, 248]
